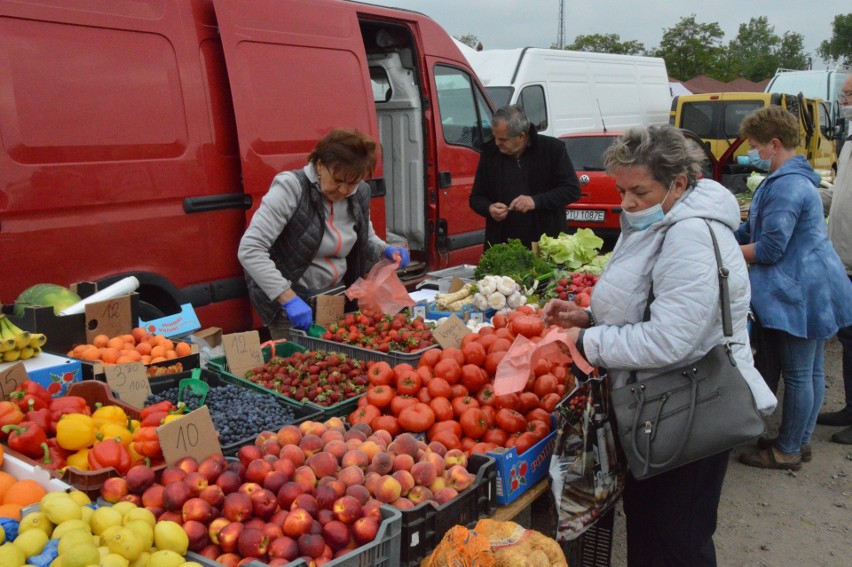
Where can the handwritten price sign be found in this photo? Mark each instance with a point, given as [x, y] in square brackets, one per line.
[11, 378]
[110, 317]
[129, 381]
[451, 332]
[193, 435]
[242, 351]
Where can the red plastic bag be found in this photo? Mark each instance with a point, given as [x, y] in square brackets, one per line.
[381, 289]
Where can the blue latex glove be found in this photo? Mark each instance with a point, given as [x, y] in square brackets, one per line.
[299, 313]
[404, 259]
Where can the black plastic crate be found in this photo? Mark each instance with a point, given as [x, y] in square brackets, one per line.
[424, 526]
[214, 380]
[594, 547]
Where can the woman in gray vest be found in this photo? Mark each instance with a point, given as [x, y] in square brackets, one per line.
[312, 232]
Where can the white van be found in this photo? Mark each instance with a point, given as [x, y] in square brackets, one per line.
[566, 92]
[826, 84]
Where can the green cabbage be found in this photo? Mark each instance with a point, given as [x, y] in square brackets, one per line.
[570, 250]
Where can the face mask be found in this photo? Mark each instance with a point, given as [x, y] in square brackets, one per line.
[754, 160]
[846, 110]
[641, 220]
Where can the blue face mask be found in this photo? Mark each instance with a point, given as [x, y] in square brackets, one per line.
[754, 160]
[640, 220]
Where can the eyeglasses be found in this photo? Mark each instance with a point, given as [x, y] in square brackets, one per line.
[845, 96]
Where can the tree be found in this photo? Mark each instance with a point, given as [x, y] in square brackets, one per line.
[606, 43]
[691, 48]
[791, 53]
[469, 39]
[753, 53]
[838, 49]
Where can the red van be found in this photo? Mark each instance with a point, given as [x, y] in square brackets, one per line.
[138, 137]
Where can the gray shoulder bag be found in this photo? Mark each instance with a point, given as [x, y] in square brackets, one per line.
[683, 415]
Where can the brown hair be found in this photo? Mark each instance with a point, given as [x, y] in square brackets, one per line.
[771, 122]
[662, 149]
[350, 154]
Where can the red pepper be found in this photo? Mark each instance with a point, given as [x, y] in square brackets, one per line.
[146, 442]
[76, 402]
[10, 414]
[31, 395]
[54, 457]
[41, 417]
[160, 407]
[26, 438]
[110, 453]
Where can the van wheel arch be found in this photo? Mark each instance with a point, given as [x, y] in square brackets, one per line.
[157, 295]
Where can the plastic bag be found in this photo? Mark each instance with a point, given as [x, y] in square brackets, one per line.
[381, 290]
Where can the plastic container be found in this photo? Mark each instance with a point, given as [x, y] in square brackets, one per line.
[594, 547]
[381, 552]
[219, 364]
[393, 357]
[214, 380]
[424, 525]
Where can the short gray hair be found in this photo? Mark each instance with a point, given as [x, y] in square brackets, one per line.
[664, 150]
[514, 118]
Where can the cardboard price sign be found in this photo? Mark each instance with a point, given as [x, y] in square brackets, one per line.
[129, 381]
[451, 332]
[329, 309]
[242, 351]
[193, 435]
[11, 378]
[110, 317]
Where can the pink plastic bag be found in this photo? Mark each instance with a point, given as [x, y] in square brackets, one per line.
[381, 289]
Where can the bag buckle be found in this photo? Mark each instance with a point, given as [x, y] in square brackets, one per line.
[648, 427]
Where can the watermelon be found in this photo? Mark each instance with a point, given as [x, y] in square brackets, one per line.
[45, 295]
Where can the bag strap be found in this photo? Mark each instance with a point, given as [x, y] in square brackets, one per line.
[724, 294]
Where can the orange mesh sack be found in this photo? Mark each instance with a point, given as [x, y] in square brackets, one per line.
[381, 290]
[461, 547]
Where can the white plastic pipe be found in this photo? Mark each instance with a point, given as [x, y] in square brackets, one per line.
[119, 288]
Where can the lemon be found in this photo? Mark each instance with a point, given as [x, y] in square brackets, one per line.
[139, 514]
[142, 561]
[192, 564]
[81, 556]
[114, 560]
[108, 533]
[2, 535]
[59, 510]
[103, 518]
[103, 550]
[31, 542]
[171, 537]
[35, 520]
[79, 497]
[68, 526]
[12, 556]
[165, 558]
[143, 530]
[72, 539]
[56, 562]
[126, 543]
[86, 514]
[123, 507]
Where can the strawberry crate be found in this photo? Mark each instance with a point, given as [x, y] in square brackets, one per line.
[283, 349]
[424, 525]
[393, 357]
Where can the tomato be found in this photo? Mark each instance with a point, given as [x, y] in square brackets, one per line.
[380, 374]
[510, 401]
[439, 387]
[490, 413]
[502, 344]
[510, 421]
[468, 339]
[458, 391]
[474, 353]
[473, 422]
[446, 438]
[473, 377]
[527, 401]
[497, 436]
[363, 401]
[539, 429]
[505, 333]
[539, 414]
[450, 425]
[399, 403]
[449, 369]
[548, 402]
[524, 442]
[387, 422]
[442, 408]
[487, 340]
[461, 404]
[541, 366]
[482, 448]
[364, 414]
[425, 373]
[561, 372]
[400, 370]
[416, 418]
[499, 321]
[424, 396]
[430, 357]
[409, 383]
[486, 396]
[380, 396]
[545, 384]
[528, 325]
[492, 360]
[467, 444]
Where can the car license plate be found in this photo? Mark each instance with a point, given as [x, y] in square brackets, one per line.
[584, 215]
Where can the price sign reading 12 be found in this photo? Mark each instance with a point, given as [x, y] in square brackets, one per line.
[242, 351]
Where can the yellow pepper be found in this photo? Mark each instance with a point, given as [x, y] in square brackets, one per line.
[80, 460]
[109, 414]
[134, 424]
[171, 417]
[135, 457]
[114, 431]
[75, 431]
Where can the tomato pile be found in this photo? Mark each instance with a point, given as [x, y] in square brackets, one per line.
[450, 395]
[578, 285]
[324, 378]
[380, 332]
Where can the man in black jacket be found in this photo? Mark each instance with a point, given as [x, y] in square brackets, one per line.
[523, 182]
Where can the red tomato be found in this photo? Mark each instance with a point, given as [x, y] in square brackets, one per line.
[450, 425]
[424, 396]
[482, 448]
[548, 402]
[510, 401]
[449, 369]
[468, 339]
[380, 374]
[425, 373]
[499, 321]
[430, 357]
[454, 353]
[399, 403]
[362, 401]
[409, 383]
[486, 396]
[510, 421]
[497, 436]
[387, 422]
[446, 438]
[492, 360]
[439, 387]
[462, 404]
[458, 391]
[542, 366]
[442, 408]
[524, 442]
[539, 414]
[401, 369]
[560, 371]
[473, 377]
[380, 396]
[545, 384]
[527, 401]
[364, 414]
[539, 429]
[416, 418]
[473, 422]
[490, 413]
[467, 444]
[474, 353]
[528, 325]
[502, 344]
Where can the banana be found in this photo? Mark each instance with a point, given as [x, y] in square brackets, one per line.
[11, 355]
[26, 353]
[36, 351]
[37, 339]
[22, 338]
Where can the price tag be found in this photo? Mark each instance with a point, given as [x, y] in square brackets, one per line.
[11, 378]
[476, 317]
[451, 332]
[193, 435]
[129, 381]
[242, 351]
[419, 311]
[330, 309]
[110, 317]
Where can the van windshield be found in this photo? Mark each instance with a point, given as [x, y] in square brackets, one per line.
[500, 96]
[809, 84]
[586, 152]
[716, 120]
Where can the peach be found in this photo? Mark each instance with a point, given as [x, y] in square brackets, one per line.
[388, 489]
[294, 454]
[455, 457]
[323, 464]
[336, 534]
[438, 484]
[215, 527]
[305, 476]
[263, 503]
[419, 494]
[198, 510]
[196, 482]
[459, 478]
[403, 462]
[285, 465]
[364, 529]
[289, 435]
[237, 507]
[214, 495]
[310, 444]
[275, 480]
[252, 543]
[355, 457]
[311, 545]
[363, 428]
[403, 503]
[424, 473]
[248, 488]
[228, 537]
[331, 435]
[312, 428]
[114, 489]
[359, 492]
[229, 481]
[382, 463]
[139, 478]
[187, 464]
[354, 434]
[249, 453]
[405, 444]
[384, 435]
[326, 497]
[306, 502]
[445, 495]
[337, 448]
[171, 475]
[287, 494]
[270, 447]
[437, 447]
[211, 468]
[347, 509]
[405, 480]
[370, 448]
[351, 475]
[436, 460]
[174, 496]
[297, 522]
[283, 548]
[196, 532]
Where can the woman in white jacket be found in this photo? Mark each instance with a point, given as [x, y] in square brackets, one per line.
[665, 242]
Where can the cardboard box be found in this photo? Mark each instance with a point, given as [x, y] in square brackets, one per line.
[517, 473]
[95, 370]
[56, 373]
[174, 326]
[16, 465]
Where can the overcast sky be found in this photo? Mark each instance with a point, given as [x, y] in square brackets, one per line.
[501, 24]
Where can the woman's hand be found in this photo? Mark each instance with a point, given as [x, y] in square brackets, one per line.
[565, 314]
[299, 313]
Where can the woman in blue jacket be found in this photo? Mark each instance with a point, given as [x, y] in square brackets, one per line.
[800, 291]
